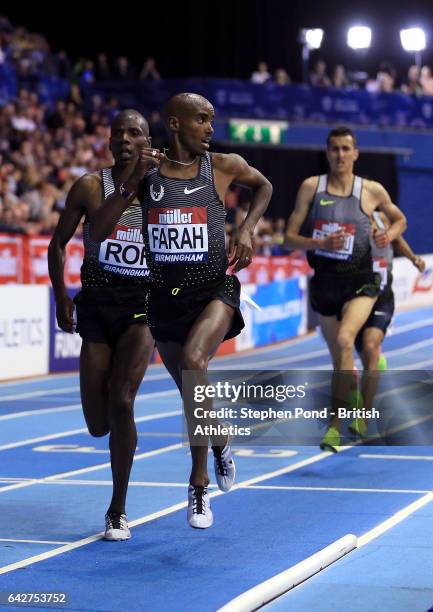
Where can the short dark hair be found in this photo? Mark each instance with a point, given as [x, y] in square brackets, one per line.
[341, 130]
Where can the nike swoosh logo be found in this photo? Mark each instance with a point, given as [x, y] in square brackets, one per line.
[188, 191]
[326, 202]
[137, 316]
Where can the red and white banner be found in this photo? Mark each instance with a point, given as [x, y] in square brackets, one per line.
[24, 260]
[11, 259]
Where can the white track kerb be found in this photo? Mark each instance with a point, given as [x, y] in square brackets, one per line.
[281, 583]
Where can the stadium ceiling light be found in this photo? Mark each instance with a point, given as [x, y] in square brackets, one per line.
[313, 38]
[413, 40]
[359, 37]
[310, 39]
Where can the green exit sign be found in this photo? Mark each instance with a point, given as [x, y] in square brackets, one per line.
[254, 130]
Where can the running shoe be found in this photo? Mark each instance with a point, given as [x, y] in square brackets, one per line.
[382, 363]
[116, 527]
[199, 513]
[331, 440]
[358, 428]
[225, 469]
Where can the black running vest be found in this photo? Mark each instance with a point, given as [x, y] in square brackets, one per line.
[120, 259]
[183, 228]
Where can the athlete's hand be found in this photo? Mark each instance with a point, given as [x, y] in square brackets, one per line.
[334, 241]
[240, 249]
[381, 239]
[148, 158]
[65, 314]
[419, 263]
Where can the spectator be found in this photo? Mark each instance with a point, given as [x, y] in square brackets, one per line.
[413, 86]
[103, 71]
[318, 76]
[426, 81]
[339, 77]
[281, 77]
[262, 74]
[123, 71]
[384, 81]
[149, 71]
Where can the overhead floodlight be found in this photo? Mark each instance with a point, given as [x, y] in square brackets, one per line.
[359, 37]
[413, 39]
[313, 38]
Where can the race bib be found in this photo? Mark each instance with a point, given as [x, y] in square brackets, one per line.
[123, 252]
[325, 228]
[178, 235]
[380, 265]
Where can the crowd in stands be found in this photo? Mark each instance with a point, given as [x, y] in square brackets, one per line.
[419, 80]
[43, 150]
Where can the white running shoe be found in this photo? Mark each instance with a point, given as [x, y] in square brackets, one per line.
[116, 527]
[199, 512]
[225, 469]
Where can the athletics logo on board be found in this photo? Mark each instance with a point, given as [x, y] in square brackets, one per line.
[156, 195]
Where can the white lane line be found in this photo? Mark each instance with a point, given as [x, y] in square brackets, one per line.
[155, 515]
[39, 393]
[418, 365]
[399, 457]
[324, 352]
[72, 432]
[279, 584]
[93, 468]
[338, 489]
[132, 483]
[72, 407]
[396, 518]
[63, 390]
[32, 541]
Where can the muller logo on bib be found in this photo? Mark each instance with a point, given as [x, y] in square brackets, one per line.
[156, 195]
[123, 252]
[178, 235]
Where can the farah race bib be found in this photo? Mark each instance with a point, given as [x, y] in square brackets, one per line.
[178, 235]
[325, 228]
[380, 265]
[123, 252]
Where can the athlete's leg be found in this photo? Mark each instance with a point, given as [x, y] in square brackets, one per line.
[131, 356]
[354, 315]
[95, 364]
[371, 344]
[202, 342]
[330, 327]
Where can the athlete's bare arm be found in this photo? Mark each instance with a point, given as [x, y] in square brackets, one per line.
[402, 247]
[378, 198]
[105, 218]
[232, 168]
[83, 198]
[303, 202]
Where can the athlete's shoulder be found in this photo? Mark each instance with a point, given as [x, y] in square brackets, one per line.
[310, 184]
[90, 180]
[229, 163]
[373, 186]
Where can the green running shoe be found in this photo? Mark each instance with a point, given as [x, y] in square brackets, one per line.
[382, 363]
[355, 401]
[358, 429]
[331, 440]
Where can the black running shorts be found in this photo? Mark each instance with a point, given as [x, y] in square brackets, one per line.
[103, 314]
[329, 293]
[380, 317]
[172, 312]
